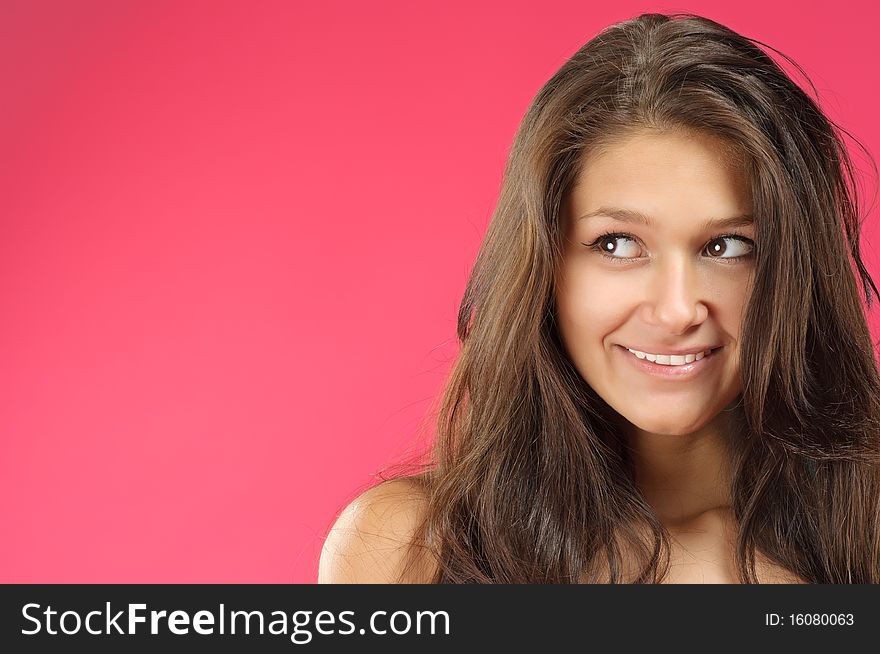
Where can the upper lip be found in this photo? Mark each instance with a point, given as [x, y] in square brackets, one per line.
[664, 349]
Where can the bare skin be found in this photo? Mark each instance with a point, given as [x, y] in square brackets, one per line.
[370, 541]
[372, 537]
[702, 553]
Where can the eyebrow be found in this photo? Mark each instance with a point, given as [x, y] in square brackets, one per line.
[633, 216]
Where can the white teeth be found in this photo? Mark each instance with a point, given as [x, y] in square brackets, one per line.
[670, 359]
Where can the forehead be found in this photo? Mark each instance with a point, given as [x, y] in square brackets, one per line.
[673, 175]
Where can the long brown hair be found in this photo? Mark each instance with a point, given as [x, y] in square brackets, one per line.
[529, 480]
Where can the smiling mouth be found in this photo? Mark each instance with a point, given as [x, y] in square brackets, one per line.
[671, 361]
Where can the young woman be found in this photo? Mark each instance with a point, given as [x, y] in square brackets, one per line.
[666, 373]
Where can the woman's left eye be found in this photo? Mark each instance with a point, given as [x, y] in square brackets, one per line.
[718, 247]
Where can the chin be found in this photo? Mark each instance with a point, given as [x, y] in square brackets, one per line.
[671, 425]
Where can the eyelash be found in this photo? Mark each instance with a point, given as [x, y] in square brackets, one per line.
[608, 235]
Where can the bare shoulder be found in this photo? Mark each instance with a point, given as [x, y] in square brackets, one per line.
[371, 540]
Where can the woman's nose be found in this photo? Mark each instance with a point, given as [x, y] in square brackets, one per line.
[676, 302]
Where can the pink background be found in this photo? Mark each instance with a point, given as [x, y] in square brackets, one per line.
[234, 238]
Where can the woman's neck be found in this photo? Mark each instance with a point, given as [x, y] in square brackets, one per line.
[684, 476]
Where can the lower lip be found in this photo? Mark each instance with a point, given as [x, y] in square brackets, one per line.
[678, 373]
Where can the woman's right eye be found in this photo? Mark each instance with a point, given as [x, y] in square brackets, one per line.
[616, 246]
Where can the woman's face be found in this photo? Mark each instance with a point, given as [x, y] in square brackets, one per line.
[659, 259]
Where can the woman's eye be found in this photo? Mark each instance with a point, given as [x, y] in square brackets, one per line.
[617, 245]
[729, 247]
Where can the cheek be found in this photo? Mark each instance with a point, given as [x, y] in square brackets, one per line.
[591, 306]
[731, 303]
